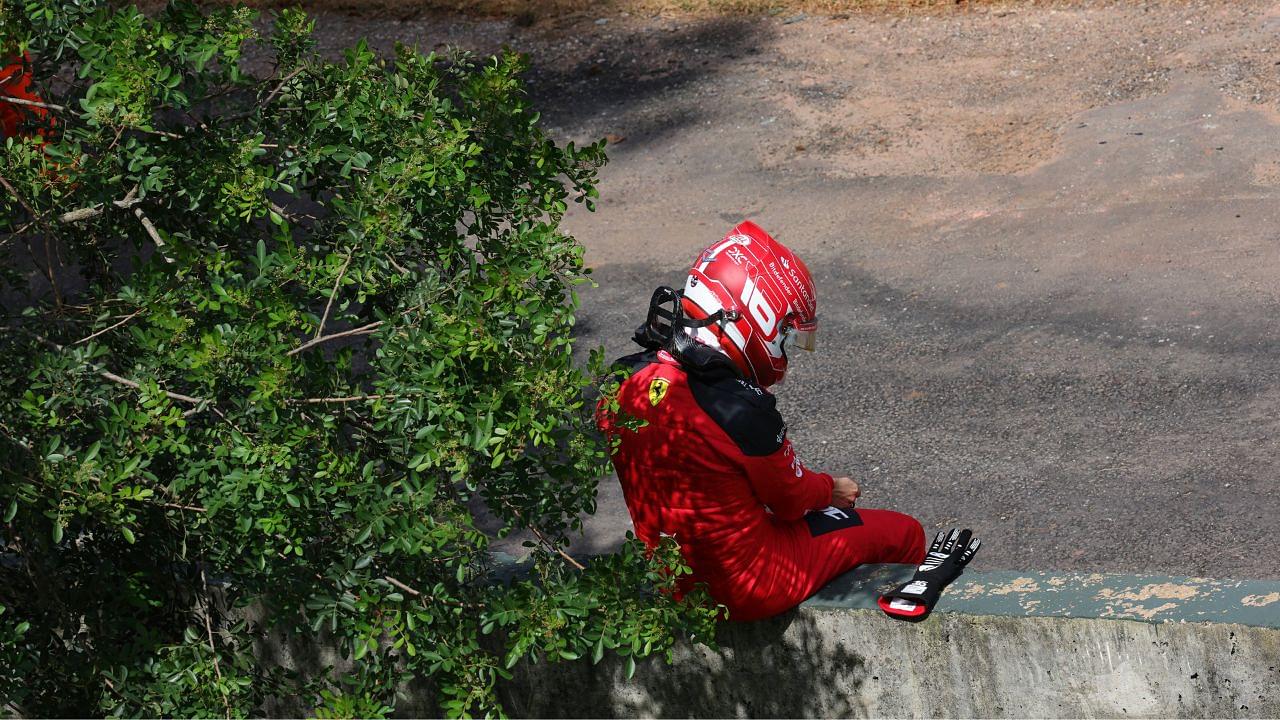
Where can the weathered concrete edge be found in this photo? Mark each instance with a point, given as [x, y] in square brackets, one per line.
[1150, 598]
[1087, 648]
[852, 662]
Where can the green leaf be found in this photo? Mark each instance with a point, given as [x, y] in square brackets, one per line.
[11, 511]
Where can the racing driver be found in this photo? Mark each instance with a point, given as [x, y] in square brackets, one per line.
[703, 455]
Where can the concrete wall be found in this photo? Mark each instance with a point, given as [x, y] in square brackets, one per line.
[859, 663]
[999, 645]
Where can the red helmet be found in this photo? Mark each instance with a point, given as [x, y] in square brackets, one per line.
[766, 297]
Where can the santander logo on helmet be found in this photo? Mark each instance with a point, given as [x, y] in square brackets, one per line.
[767, 297]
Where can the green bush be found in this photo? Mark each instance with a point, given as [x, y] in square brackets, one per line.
[270, 343]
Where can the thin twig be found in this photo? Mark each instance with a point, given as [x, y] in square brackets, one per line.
[176, 506]
[161, 133]
[48, 264]
[333, 294]
[116, 140]
[272, 95]
[126, 319]
[543, 538]
[397, 265]
[208, 628]
[424, 597]
[281, 211]
[108, 375]
[110, 686]
[14, 233]
[402, 586]
[362, 330]
[32, 103]
[48, 234]
[346, 399]
[129, 383]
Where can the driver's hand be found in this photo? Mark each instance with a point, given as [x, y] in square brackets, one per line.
[844, 492]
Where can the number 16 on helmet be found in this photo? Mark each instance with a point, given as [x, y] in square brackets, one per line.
[766, 298]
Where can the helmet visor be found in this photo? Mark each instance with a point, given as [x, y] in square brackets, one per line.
[801, 335]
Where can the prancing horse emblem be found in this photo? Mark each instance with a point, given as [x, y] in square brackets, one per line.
[658, 390]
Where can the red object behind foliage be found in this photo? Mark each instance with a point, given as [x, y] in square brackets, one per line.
[15, 82]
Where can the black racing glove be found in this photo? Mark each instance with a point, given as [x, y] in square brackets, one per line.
[946, 559]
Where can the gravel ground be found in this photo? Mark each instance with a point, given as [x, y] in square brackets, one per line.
[1044, 238]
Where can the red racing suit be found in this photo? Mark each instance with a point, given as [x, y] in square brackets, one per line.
[15, 82]
[709, 463]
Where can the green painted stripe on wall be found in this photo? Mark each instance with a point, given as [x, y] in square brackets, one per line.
[1152, 598]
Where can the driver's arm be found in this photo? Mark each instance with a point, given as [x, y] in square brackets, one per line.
[783, 483]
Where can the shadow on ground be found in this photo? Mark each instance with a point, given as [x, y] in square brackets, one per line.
[637, 75]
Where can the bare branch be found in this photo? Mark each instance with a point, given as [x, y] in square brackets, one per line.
[402, 586]
[32, 103]
[419, 594]
[21, 200]
[176, 506]
[333, 294]
[48, 266]
[543, 538]
[108, 375]
[127, 202]
[103, 331]
[161, 133]
[285, 81]
[396, 265]
[362, 330]
[15, 233]
[346, 399]
[155, 234]
[208, 628]
[281, 211]
[72, 216]
[130, 383]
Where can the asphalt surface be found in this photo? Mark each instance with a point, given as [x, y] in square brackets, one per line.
[1045, 244]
